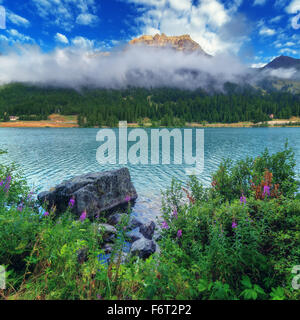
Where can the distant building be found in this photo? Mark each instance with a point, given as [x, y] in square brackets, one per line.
[13, 118]
[271, 116]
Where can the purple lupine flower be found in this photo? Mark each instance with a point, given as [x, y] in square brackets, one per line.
[7, 183]
[243, 199]
[83, 216]
[71, 203]
[46, 214]
[165, 225]
[234, 225]
[266, 190]
[31, 193]
[179, 233]
[175, 214]
[20, 207]
[127, 199]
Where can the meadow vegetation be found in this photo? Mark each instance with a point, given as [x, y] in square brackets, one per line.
[238, 239]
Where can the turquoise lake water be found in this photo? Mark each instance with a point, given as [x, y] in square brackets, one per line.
[49, 156]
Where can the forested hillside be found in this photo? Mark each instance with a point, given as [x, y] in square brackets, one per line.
[165, 106]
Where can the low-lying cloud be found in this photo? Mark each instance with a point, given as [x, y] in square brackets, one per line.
[133, 66]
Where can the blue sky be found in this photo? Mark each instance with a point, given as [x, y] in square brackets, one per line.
[255, 30]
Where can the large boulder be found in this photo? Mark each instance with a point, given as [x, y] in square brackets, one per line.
[93, 193]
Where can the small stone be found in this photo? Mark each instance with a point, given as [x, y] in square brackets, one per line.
[115, 219]
[108, 232]
[108, 248]
[134, 223]
[134, 235]
[143, 248]
[147, 230]
[82, 255]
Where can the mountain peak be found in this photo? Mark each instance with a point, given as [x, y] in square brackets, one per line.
[284, 62]
[179, 43]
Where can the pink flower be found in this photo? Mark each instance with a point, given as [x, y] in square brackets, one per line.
[179, 233]
[46, 214]
[83, 216]
[243, 199]
[234, 225]
[127, 199]
[20, 207]
[165, 225]
[266, 190]
[71, 203]
[175, 214]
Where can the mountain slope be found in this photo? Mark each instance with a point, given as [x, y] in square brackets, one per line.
[283, 62]
[179, 43]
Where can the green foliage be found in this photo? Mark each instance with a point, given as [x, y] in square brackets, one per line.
[233, 180]
[213, 245]
[164, 106]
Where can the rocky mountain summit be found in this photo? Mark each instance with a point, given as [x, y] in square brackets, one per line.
[179, 43]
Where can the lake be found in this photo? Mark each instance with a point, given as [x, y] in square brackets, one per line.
[49, 156]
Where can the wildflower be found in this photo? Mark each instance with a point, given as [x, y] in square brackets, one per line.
[71, 203]
[234, 225]
[83, 216]
[243, 199]
[99, 297]
[7, 183]
[29, 197]
[266, 190]
[175, 214]
[20, 207]
[179, 233]
[165, 225]
[46, 214]
[127, 199]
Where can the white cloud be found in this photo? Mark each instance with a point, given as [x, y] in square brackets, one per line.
[16, 19]
[16, 36]
[276, 19]
[288, 51]
[64, 13]
[265, 31]
[87, 19]
[83, 43]
[293, 7]
[258, 65]
[61, 38]
[259, 2]
[205, 21]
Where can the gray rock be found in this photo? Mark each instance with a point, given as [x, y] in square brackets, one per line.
[134, 235]
[82, 255]
[115, 219]
[134, 223]
[157, 235]
[147, 230]
[108, 248]
[121, 258]
[143, 248]
[93, 193]
[107, 231]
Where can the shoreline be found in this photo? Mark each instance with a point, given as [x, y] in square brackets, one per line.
[278, 123]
